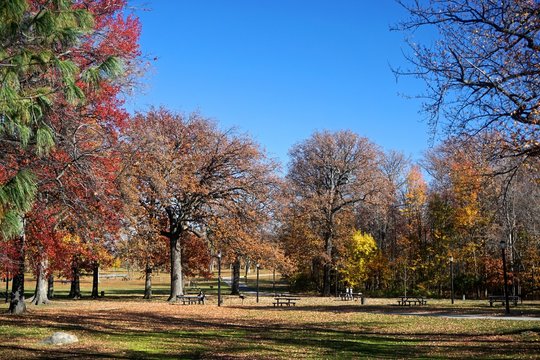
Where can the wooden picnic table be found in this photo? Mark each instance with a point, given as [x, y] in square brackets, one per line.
[501, 298]
[411, 300]
[285, 301]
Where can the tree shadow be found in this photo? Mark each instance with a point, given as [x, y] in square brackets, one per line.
[188, 335]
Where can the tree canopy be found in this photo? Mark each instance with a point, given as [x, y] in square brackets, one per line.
[482, 70]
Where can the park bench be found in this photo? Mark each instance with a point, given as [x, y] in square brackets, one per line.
[411, 300]
[501, 298]
[285, 301]
[191, 299]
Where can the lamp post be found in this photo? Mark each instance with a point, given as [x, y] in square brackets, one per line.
[532, 282]
[502, 245]
[452, 278]
[258, 266]
[274, 280]
[219, 279]
[335, 269]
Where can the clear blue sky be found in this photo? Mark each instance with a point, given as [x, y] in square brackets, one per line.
[281, 69]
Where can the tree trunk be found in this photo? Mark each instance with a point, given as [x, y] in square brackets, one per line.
[177, 286]
[7, 287]
[235, 287]
[327, 270]
[17, 305]
[50, 287]
[95, 280]
[40, 294]
[75, 290]
[327, 278]
[148, 282]
[248, 267]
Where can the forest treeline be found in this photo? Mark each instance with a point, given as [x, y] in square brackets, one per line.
[85, 185]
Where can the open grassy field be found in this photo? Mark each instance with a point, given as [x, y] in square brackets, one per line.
[123, 326]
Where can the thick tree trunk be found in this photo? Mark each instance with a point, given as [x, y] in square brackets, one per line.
[17, 305]
[235, 287]
[50, 287]
[40, 293]
[148, 282]
[177, 286]
[327, 272]
[95, 280]
[75, 290]
[328, 266]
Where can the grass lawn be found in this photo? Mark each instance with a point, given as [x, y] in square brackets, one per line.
[124, 326]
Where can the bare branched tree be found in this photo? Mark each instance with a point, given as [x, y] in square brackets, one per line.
[482, 71]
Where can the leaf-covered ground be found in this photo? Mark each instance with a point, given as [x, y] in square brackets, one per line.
[124, 328]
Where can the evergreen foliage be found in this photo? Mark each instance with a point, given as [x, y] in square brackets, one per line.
[37, 70]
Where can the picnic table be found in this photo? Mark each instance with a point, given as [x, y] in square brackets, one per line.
[124, 277]
[350, 296]
[501, 298]
[285, 301]
[191, 299]
[411, 300]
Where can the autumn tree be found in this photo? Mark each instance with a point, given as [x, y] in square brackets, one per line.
[198, 171]
[247, 233]
[62, 60]
[360, 249]
[395, 168]
[482, 70]
[29, 60]
[462, 209]
[413, 238]
[142, 244]
[516, 222]
[384, 220]
[329, 175]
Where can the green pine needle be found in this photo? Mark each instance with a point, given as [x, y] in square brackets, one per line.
[11, 225]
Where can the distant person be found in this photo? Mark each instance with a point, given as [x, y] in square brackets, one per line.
[200, 297]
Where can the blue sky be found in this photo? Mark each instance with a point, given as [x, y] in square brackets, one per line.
[282, 69]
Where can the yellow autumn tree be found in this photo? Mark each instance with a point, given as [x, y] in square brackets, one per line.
[360, 249]
[466, 186]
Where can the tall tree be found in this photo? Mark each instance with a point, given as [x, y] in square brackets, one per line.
[198, 171]
[62, 92]
[330, 174]
[462, 207]
[33, 39]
